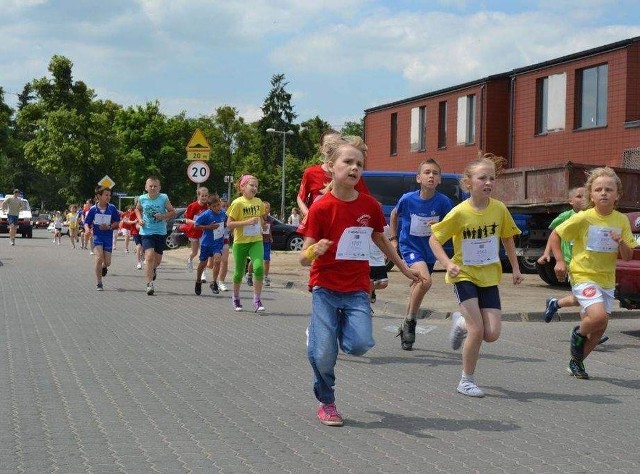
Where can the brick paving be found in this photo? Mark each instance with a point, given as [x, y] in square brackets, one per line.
[118, 381]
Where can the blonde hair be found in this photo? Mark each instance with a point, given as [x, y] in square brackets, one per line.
[598, 173]
[332, 145]
[484, 159]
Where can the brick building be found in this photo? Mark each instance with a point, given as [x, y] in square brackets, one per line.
[584, 107]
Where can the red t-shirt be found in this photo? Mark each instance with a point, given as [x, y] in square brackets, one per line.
[131, 216]
[192, 212]
[314, 180]
[328, 219]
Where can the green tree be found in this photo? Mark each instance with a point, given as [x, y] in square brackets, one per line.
[353, 128]
[278, 114]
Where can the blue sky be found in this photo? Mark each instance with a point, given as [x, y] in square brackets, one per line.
[339, 56]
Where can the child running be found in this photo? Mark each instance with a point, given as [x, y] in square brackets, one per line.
[416, 211]
[598, 235]
[72, 222]
[211, 224]
[194, 234]
[103, 218]
[337, 239]
[476, 225]
[245, 219]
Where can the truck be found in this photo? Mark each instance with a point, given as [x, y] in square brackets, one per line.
[25, 219]
[538, 194]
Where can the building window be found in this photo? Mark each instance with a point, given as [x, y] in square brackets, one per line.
[442, 124]
[551, 103]
[393, 145]
[418, 128]
[592, 94]
[466, 133]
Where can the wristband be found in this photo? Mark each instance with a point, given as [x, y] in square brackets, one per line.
[310, 253]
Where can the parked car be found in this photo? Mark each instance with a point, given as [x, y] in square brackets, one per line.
[42, 221]
[170, 243]
[285, 236]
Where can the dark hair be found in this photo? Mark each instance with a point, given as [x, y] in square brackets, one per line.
[101, 189]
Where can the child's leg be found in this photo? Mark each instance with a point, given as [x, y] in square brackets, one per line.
[240, 252]
[98, 249]
[593, 325]
[481, 325]
[106, 258]
[256, 253]
[201, 266]
[322, 345]
[417, 291]
[194, 249]
[215, 269]
[356, 330]
[224, 262]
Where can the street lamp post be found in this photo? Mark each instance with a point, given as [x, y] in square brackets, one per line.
[284, 142]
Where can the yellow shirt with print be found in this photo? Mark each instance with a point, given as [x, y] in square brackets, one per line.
[242, 209]
[464, 222]
[590, 265]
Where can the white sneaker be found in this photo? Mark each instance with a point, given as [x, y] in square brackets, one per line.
[267, 281]
[150, 289]
[458, 333]
[470, 389]
[189, 265]
[222, 286]
[139, 265]
[203, 279]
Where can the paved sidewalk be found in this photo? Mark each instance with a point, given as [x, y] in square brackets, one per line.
[118, 381]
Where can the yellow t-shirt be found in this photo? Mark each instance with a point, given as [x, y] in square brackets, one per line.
[476, 240]
[72, 219]
[242, 209]
[594, 252]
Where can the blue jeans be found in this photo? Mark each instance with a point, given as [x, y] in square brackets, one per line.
[336, 318]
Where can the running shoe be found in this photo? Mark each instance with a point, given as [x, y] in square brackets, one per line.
[603, 339]
[328, 415]
[198, 288]
[551, 309]
[373, 296]
[214, 288]
[99, 287]
[150, 289]
[407, 333]
[576, 368]
[154, 274]
[257, 305]
[237, 306]
[470, 389]
[458, 333]
[139, 266]
[104, 271]
[250, 279]
[189, 265]
[267, 281]
[222, 286]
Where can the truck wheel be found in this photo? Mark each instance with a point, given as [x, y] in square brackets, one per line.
[542, 273]
[528, 265]
[548, 274]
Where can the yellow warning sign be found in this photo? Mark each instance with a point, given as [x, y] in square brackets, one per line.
[106, 182]
[198, 147]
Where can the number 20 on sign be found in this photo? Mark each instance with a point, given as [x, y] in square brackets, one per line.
[198, 171]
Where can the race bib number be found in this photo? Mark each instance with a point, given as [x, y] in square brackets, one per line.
[480, 251]
[421, 225]
[100, 219]
[599, 239]
[354, 244]
[251, 229]
[218, 233]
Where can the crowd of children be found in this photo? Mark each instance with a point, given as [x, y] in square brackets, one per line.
[347, 240]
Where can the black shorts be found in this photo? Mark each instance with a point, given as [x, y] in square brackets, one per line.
[488, 296]
[378, 273]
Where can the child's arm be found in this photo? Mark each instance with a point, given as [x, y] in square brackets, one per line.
[561, 267]
[312, 250]
[388, 249]
[510, 248]
[393, 225]
[436, 247]
[626, 252]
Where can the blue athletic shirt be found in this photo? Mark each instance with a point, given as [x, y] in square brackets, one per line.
[111, 210]
[153, 226]
[208, 238]
[412, 207]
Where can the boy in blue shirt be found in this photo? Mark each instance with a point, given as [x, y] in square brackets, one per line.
[412, 218]
[211, 222]
[102, 219]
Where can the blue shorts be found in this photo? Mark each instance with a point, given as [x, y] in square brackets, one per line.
[412, 257]
[488, 296]
[137, 240]
[207, 251]
[103, 241]
[267, 251]
[12, 220]
[153, 241]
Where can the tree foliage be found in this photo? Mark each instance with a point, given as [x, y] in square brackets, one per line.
[62, 140]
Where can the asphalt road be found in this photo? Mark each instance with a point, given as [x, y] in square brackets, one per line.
[118, 381]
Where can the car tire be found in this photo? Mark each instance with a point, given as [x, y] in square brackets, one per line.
[528, 265]
[294, 242]
[170, 242]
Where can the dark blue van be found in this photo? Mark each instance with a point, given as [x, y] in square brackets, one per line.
[388, 186]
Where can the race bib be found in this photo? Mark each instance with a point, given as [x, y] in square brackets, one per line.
[218, 233]
[354, 244]
[421, 226]
[480, 251]
[100, 219]
[250, 230]
[599, 239]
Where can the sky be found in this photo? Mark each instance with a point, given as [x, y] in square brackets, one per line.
[339, 57]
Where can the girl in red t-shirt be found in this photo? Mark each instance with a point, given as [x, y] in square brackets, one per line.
[338, 232]
[196, 207]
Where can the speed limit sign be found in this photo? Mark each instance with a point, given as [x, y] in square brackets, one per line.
[198, 171]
